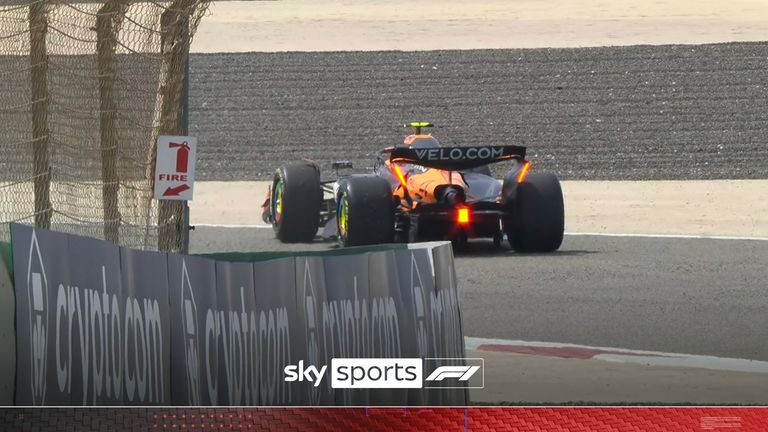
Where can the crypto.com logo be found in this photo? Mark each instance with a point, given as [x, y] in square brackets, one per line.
[311, 313]
[191, 340]
[419, 307]
[37, 294]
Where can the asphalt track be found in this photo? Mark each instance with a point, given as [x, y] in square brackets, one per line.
[684, 295]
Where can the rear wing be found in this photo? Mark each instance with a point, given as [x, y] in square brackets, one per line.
[456, 158]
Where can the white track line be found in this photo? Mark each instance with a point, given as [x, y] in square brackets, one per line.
[652, 358]
[677, 236]
[261, 226]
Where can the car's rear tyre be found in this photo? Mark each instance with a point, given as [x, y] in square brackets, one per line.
[295, 202]
[538, 216]
[364, 214]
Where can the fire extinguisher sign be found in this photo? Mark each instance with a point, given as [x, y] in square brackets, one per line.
[175, 167]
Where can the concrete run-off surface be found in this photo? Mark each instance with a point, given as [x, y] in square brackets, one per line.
[706, 208]
[337, 25]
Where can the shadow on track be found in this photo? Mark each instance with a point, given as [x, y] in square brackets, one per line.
[483, 248]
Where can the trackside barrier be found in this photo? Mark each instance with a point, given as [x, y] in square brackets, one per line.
[98, 324]
[7, 333]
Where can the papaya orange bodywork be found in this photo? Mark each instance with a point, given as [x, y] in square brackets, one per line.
[421, 186]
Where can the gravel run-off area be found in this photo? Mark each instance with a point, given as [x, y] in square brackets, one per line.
[630, 113]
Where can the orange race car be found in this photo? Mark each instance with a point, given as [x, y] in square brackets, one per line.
[421, 190]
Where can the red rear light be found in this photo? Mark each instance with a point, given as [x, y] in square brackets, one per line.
[462, 215]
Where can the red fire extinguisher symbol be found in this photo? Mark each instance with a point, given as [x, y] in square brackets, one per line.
[182, 156]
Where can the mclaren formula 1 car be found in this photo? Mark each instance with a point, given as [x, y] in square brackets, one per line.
[421, 190]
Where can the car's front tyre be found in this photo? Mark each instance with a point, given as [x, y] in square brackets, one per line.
[295, 202]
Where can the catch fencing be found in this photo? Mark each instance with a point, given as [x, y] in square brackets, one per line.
[85, 89]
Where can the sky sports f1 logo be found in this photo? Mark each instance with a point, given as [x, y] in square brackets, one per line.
[358, 373]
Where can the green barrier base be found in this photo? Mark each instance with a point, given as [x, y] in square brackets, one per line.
[265, 256]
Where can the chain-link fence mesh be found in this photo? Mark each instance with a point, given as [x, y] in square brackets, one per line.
[85, 89]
